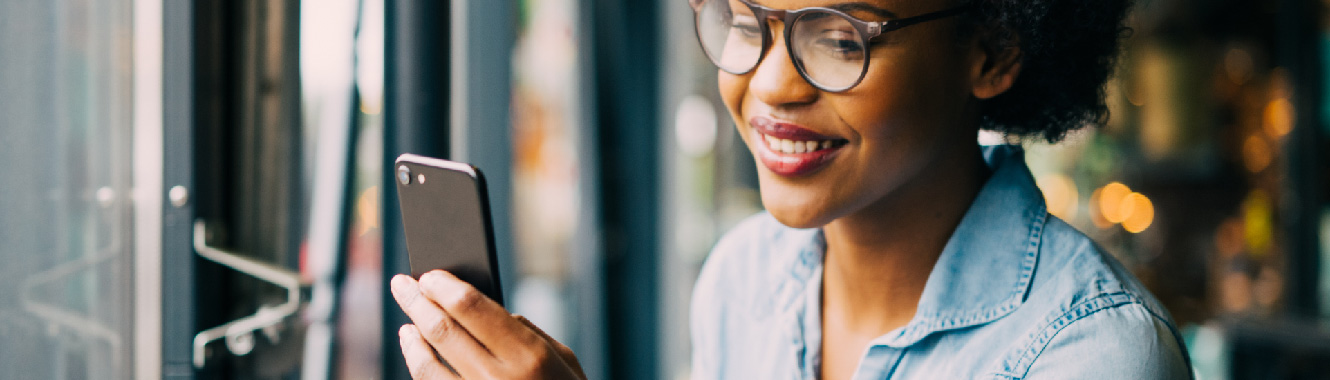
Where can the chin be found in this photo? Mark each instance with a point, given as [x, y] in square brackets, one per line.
[795, 208]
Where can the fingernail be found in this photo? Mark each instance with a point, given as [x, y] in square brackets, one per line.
[401, 287]
[432, 279]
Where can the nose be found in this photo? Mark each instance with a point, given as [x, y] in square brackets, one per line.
[777, 82]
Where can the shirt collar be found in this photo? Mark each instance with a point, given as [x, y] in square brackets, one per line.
[985, 268]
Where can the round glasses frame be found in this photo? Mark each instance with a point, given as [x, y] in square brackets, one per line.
[868, 30]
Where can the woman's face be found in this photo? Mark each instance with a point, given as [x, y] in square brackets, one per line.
[913, 107]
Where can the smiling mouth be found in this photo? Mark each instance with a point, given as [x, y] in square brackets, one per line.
[788, 137]
[790, 150]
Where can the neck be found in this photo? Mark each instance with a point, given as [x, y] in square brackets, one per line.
[878, 259]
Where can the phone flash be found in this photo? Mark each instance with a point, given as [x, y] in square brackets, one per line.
[420, 178]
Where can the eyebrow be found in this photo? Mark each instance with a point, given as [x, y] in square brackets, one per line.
[864, 7]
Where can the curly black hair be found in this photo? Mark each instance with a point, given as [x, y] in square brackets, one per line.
[1068, 51]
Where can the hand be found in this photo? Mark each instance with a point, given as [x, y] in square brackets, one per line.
[476, 337]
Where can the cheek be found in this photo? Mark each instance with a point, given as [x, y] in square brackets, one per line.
[902, 100]
[732, 89]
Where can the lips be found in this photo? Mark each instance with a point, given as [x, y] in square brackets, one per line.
[790, 150]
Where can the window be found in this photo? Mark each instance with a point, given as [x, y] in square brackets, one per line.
[66, 286]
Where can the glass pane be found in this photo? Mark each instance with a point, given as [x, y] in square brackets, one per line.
[65, 296]
[546, 180]
[710, 184]
[342, 51]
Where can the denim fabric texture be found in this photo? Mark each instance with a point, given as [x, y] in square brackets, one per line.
[1016, 294]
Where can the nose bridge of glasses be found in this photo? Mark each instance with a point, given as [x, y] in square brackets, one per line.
[769, 15]
[778, 62]
[776, 14]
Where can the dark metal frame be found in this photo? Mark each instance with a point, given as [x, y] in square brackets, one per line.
[1300, 52]
[868, 30]
[627, 128]
[199, 100]
[415, 115]
[178, 298]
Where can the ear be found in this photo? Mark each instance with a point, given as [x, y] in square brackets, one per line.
[993, 71]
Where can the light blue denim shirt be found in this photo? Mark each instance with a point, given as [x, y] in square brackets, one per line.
[1016, 294]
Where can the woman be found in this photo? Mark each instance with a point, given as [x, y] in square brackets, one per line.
[893, 246]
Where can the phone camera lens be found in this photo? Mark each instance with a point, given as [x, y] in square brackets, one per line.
[404, 175]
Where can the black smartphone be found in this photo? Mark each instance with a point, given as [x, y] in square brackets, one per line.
[446, 217]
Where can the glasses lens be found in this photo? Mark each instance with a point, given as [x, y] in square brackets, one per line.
[829, 48]
[730, 34]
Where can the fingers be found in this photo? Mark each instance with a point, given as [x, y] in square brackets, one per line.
[420, 358]
[533, 327]
[488, 322]
[564, 352]
[471, 331]
[437, 328]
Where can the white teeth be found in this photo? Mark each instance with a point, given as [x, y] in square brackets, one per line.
[793, 147]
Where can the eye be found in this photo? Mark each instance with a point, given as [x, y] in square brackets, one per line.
[747, 27]
[840, 44]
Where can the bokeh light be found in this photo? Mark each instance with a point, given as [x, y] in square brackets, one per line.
[1111, 198]
[1278, 118]
[1258, 217]
[1096, 214]
[1138, 213]
[1060, 194]
[1256, 154]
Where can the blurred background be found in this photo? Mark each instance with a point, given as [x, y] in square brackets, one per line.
[201, 189]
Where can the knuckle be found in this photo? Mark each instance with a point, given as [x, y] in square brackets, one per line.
[441, 330]
[533, 362]
[465, 300]
[564, 350]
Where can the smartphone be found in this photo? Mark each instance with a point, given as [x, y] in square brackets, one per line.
[446, 217]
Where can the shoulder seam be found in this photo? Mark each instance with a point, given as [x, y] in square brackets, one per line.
[1018, 362]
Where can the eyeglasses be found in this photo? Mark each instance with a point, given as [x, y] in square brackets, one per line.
[829, 48]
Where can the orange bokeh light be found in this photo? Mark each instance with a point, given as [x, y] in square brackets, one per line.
[1111, 198]
[1256, 153]
[1278, 118]
[1139, 213]
[1060, 195]
[1096, 216]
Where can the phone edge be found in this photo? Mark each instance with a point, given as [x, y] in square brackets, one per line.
[483, 189]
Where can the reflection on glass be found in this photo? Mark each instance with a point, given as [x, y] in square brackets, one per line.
[342, 58]
[65, 295]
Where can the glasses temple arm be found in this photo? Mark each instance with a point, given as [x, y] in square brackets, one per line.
[890, 25]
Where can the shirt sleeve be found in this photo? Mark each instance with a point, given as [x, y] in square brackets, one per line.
[1122, 342]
